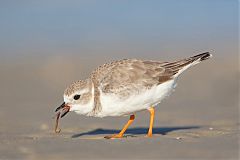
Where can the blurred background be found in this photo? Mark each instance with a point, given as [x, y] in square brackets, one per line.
[45, 45]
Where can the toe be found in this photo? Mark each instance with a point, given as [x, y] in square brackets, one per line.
[149, 135]
[114, 136]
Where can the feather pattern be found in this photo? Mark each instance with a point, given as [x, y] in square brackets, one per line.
[124, 78]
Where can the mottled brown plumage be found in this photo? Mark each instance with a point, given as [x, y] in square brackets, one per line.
[123, 88]
[80, 84]
[130, 76]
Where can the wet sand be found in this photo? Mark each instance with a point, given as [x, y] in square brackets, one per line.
[198, 121]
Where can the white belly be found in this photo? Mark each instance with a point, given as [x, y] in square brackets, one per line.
[114, 106]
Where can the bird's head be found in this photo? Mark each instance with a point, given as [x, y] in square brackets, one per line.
[78, 97]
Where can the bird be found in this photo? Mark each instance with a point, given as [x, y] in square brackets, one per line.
[125, 87]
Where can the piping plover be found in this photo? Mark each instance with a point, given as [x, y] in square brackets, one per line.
[125, 87]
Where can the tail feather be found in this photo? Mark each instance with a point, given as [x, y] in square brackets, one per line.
[202, 56]
[178, 67]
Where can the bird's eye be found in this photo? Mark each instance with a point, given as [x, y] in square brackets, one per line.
[76, 97]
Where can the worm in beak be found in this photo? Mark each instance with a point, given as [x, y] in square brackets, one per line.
[62, 110]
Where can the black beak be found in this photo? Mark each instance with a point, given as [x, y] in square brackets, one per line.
[65, 109]
[64, 113]
[60, 107]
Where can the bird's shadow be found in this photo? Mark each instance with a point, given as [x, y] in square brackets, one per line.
[135, 131]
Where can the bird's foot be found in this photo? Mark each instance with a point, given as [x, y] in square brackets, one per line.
[114, 136]
[149, 135]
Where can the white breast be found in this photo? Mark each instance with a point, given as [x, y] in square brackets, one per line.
[112, 105]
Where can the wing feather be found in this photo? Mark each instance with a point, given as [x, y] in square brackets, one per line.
[132, 76]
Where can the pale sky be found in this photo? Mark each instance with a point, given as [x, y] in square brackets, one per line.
[130, 27]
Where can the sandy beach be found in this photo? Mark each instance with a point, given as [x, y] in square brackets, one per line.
[46, 45]
[198, 121]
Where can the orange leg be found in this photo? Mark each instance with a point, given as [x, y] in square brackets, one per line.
[151, 110]
[120, 134]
